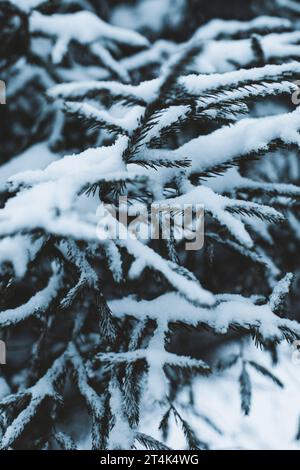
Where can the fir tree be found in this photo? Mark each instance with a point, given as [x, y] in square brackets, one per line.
[171, 123]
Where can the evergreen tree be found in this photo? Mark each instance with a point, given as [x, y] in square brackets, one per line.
[167, 123]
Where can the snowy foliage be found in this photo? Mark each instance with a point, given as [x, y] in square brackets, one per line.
[168, 122]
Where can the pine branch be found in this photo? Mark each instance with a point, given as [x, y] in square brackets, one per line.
[93, 402]
[43, 389]
[192, 440]
[150, 443]
[262, 370]
[64, 441]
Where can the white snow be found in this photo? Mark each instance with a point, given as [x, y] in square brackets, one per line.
[274, 417]
[36, 304]
[34, 158]
[19, 250]
[197, 84]
[121, 435]
[160, 51]
[49, 196]
[37, 393]
[128, 122]
[27, 5]
[148, 14]
[232, 312]
[191, 289]
[108, 61]
[114, 260]
[145, 90]
[227, 55]
[216, 27]
[84, 27]
[240, 139]
[56, 189]
[281, 290]
[93, 400]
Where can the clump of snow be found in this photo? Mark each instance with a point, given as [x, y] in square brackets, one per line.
[56, 188]
[220, 56]
[148, 14]
[145, 90]
[216, 27]
[240, 139]
[197, 84]
[127, 123]
[220, 318]
[280, 291]
[68, 27]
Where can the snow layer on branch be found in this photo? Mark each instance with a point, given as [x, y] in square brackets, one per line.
[36, 157]
[158, 53]
[127, 123]
[242, 313]
[239, 140]
[148, 14]
[78, 167]
[227, 144]
[37, 304]
[231, 182]
[145, 91]
[93, 400]
[121, 435]
[84, 27]
[108, 61]
[226, 55]
[280, 291]
[50, 202]
[114, 260]
[22, 73]
[218, 206]
[37, 393]
[159, 356]
[217, 27]
[166, 118]
[188, 287]
[198, 84]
